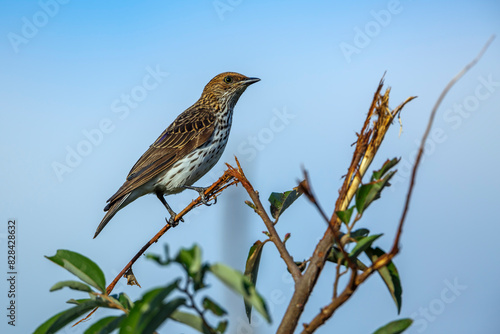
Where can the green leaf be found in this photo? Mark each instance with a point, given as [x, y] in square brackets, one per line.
[65, 317]
[122, 300]
[281, 201]
[363, 244]
[160, 315]
[377, 175]
[239, 283]
[157, 258]
[150, 311]
[191, 320]
[222, 326]
[105, 325]
[335, 254]
[209, 304]
[345, 216]
[252, 269]
[80, 301]
[395, 327]
[115, 299]
[389, 275]
[75, 285]
[367, 193]
[251, 205]
[191, 259]
[359, 234]
[80, 266]
[125, 300]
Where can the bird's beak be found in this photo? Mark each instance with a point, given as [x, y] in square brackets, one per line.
[249, 81]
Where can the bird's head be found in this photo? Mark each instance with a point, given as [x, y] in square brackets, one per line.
[226, 88]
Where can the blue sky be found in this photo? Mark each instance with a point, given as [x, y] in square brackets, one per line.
[69, 75]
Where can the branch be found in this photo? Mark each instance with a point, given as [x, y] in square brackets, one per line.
[211, 192]
[259, 209]
[196, 308]
[328, 311]
[395, 247]
[377, 123]
[306, 189]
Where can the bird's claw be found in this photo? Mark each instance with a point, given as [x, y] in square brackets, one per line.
[172, 220]
[203, 197]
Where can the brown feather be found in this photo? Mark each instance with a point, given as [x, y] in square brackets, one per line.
[177, 141]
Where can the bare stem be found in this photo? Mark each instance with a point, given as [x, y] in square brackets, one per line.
[382, 261]
[212, 192]
[259, 209]
[305, 187]
[195, 307]
[395, 247]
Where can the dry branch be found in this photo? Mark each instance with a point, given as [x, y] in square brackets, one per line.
[382, 261]
[211, 192]
[376, 125]
[259, 209]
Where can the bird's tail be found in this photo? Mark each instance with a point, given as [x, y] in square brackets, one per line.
[111, 209]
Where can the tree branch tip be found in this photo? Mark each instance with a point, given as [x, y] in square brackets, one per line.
[304, 188]
[239, 166]
[381, 82]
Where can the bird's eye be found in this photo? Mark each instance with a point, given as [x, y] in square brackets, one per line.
[228, 79]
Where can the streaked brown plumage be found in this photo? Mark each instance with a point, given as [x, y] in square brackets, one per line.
[186, 150]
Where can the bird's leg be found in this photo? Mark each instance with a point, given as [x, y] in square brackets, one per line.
[201, 191]
[171, 220]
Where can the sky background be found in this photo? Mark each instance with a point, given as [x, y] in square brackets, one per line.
[65, 67]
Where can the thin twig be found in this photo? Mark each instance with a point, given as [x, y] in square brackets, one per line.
[259, 209]
[336, 303]
[223, 182]
[338, 274]
[356, 219]
[395, 247]
[305, 187]
[112, 302]
[211, 192]
[195, 307]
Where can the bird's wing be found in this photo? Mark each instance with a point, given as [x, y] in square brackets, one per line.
[190, 130]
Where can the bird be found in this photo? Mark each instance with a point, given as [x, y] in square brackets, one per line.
[186, 150]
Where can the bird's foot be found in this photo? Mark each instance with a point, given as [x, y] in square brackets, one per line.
[172, 220]
[201, 192]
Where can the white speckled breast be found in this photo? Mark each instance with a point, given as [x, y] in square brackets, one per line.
[191, 168]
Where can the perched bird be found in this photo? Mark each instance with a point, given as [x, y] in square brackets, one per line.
[186, 150]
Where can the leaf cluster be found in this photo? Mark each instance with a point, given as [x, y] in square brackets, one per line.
[179, 300]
